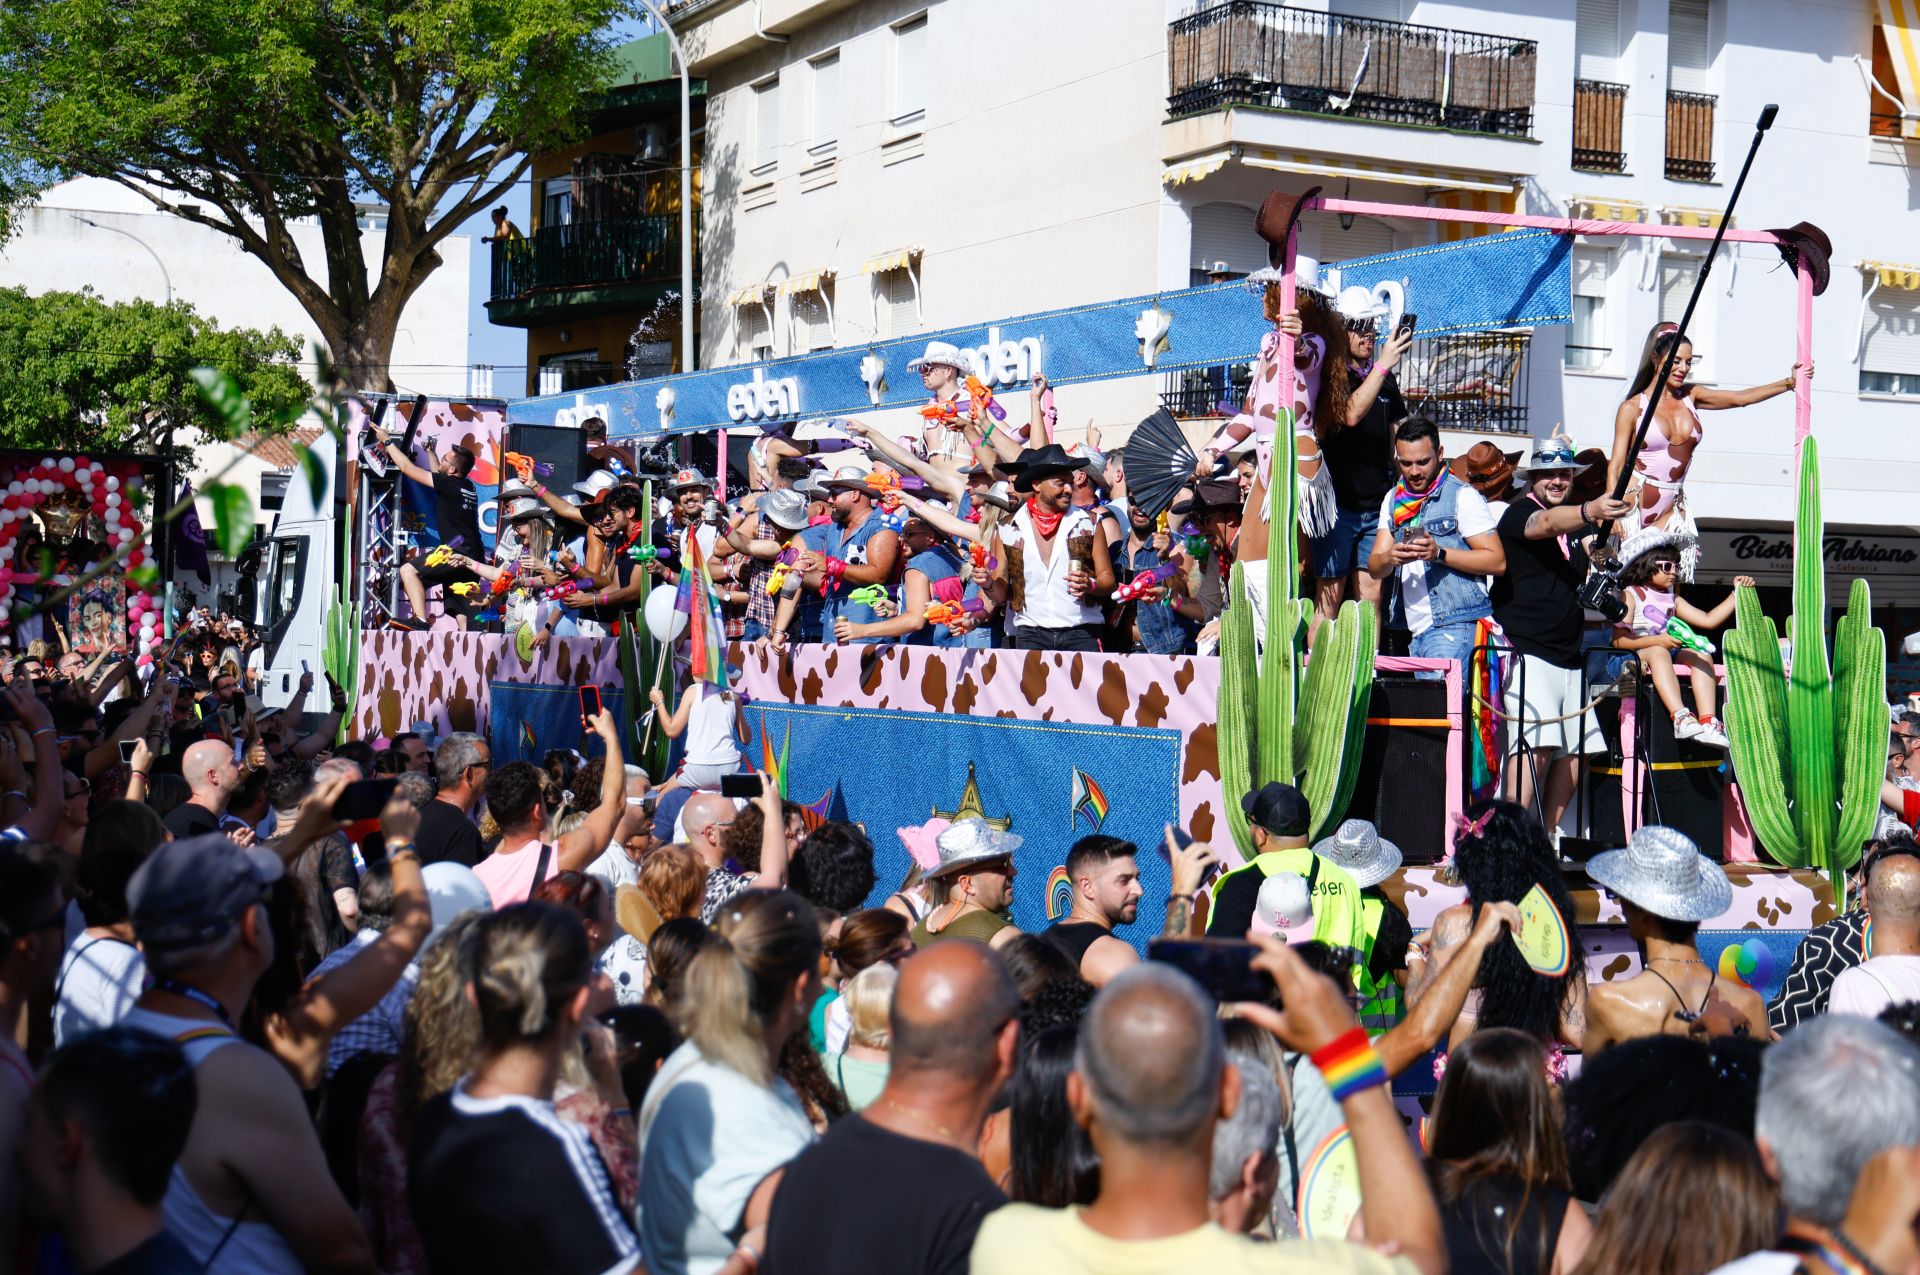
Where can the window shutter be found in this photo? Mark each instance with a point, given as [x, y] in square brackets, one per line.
[766, 100]
[1591, 269]
[1687, 60]
[898, 311]
[826, 101]
[910, 67]
[1596, 41]
[1367, 238]
[1386, 10]
[1224, 232]
[756, 340]
[1677, 272]
[1893, 332]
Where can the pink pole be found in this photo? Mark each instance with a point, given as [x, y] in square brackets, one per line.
[1565, 225]
[720, 479]
[1803, 354]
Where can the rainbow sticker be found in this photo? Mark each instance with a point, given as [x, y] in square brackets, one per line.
[1088, 800]
[527, 739]
[1749, 964]
[1059, 894]
[1329, 1188]
[1542, 936]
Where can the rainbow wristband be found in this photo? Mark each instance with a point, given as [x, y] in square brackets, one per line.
[1349, 1064]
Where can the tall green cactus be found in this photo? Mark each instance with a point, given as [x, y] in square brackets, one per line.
[340, 653]
[1809, 749]
[1287, 717]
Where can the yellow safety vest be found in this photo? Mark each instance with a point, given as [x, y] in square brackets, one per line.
[1382, 1004]
[1337, 919]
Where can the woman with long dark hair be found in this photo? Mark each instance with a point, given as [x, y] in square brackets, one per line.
[1658, 489]
[1053, 1161]
[1498, 1166]
[1500, 853]
[1693, 1198]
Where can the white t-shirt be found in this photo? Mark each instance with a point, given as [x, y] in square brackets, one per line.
[1767, 1263]
[710, 739]
[1475, 519]
[616, 867]
[99, 981]
[1874, 984]
[708, 1137]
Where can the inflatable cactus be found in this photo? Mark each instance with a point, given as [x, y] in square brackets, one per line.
[1284, 716]
[1809, 747]
[340, 654]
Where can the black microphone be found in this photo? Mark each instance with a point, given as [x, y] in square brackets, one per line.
[1767, 113]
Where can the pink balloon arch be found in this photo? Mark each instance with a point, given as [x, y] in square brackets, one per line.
[93, 497]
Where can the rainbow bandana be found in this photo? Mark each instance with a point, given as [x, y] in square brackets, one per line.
[1407, 504]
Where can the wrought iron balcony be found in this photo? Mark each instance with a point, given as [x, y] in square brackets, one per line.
[1205, 391]
[584, 266]
[1690, 136]
[1599, 111]
[1256, 53]
[1476, 380]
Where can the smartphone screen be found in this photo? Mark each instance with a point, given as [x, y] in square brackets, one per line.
[1223, 966]
[126, 750]
[747, 786]
[363, 799]
[589, 702]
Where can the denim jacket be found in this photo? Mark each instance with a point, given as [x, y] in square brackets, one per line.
[1454, 596]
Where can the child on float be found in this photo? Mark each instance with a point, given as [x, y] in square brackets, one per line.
[1649, 568]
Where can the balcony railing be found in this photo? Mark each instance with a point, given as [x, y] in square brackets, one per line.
[1690, 136]
[1254, 53]
[585, 253]
[1477, 380]
[1599, 110]
[1205, 391]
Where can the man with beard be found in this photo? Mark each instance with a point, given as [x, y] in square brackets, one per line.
[1051, 562]
[855, 550]
[1162, 627]
[689, 491]
[1105, 877]
[621, 584]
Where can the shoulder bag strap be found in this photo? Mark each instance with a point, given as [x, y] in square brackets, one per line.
[540, 868]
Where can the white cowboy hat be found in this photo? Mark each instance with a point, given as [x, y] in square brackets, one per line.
[514, 489]
[969, 842]
[1360, 303]
[1647, 539]
[1661, 871]
[785, 509]
[524, 507]
[686, 478]
[1306, 277]
[596, 484]
[1358, 847]
[944, 353]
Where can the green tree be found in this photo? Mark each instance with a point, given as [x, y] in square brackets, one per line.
[244, 115]
[77, 372]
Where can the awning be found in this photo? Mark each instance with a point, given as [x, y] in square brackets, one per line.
[755, 294]
[1698, 218]
[1279, 161]
[1893, 275]
[898, 259]
[1900, 26]
[808, 282]
[1585, 208]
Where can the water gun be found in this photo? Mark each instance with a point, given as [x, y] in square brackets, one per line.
[1689, 640]
[440, 556]
[983, 400]
[782, 570]
[869, 596]
[465, 588]
[949, 613]
[947, 413]
[982, 560]
[644, 553]
[615, 466]
[885, 485]
[526, 466]
[503, 582]
[1197, 546]
[1153, 579]
[565, 588]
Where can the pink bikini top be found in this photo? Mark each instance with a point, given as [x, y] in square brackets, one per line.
[1659, 445]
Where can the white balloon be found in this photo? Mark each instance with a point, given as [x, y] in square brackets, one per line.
[113, 484]
[113, 499]
[66, 464]
[663, 621]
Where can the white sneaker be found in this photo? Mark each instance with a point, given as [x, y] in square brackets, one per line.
[1687, 726]
[1712, 734]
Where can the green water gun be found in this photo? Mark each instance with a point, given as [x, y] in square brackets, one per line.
[644, 553]
[871, 595]
[1682, 632]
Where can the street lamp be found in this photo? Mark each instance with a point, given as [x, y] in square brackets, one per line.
[686, 187]
[166, 280]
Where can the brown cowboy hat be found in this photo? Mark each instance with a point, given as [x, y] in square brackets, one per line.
[1486, 468]
[1804, 241]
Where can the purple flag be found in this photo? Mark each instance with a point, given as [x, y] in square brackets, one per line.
[190, 545]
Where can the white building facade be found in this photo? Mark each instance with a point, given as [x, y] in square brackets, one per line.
[882, 167]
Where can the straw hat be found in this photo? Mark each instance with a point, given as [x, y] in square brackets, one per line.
[1661, 871]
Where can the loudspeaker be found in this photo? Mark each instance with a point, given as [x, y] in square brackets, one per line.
[563, 448]
[1402, 785]
[1683, 785]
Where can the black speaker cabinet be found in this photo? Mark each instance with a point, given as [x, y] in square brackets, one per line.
[1682, 784]
[1402, 785]
[562, 448]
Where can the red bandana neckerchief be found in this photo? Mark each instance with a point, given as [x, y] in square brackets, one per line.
[1045, 522]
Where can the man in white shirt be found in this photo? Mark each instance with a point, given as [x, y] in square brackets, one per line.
[1052, 563]
[1438, 539]
[1891, 973]
[633, 836]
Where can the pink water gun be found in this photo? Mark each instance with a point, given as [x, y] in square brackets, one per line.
[1137, 587]
[566, 588]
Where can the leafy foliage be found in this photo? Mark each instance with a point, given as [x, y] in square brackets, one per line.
[86, 373]
[244, 115]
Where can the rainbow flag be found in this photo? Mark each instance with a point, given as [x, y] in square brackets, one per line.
[527, 740]
[1087, 800]
[697, 600]
[1484, 689]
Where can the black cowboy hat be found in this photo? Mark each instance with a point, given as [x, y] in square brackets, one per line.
[1210, 493]
[1050, 461]
[1805, 241]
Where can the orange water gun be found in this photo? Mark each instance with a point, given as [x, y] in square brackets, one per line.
[982, 400]
[951, 613]
[526, 466]
[947, 413]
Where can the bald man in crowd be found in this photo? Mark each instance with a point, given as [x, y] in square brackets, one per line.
[1891, 976]
[898, 1185]
[1150, 1080]
[212, 775]
[705, 819]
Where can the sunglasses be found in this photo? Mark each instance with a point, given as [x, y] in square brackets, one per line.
[1363, 327]
[1662, 564]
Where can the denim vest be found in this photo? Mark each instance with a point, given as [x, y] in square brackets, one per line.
[940, 564]
[1163, 630]
[1454, 597]
[849, 547]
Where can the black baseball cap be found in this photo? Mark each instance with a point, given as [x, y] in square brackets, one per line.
[193, 892]
[1280, 809]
